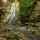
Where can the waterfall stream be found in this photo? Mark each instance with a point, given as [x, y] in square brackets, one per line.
[13, 16]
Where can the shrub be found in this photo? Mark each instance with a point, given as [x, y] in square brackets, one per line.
[26, 8]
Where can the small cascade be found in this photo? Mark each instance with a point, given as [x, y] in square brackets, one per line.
[13, 16]
[12, 19]
[10, 16]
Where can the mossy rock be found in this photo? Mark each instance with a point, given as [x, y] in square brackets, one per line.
[16, 37]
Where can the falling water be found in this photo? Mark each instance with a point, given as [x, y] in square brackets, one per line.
[12, 18]
[13, 15]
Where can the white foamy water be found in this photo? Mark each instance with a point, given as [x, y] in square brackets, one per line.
[13, 16]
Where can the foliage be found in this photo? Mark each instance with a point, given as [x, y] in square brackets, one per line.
[26, 8]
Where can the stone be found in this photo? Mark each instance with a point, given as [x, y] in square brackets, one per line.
[2, 38]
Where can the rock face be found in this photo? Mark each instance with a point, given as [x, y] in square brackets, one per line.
[36, 14]
[4, 11]
[8, 11]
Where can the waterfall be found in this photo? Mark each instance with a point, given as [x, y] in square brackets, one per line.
[13, 16]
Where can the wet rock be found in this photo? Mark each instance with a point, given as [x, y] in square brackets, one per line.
[32, 36]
